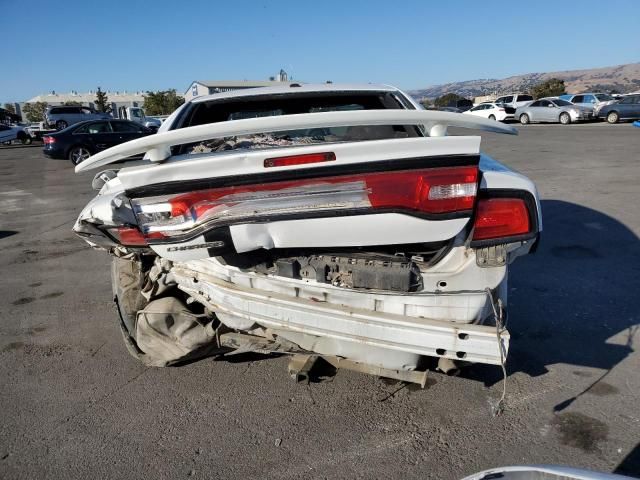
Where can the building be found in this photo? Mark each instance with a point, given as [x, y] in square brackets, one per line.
[117, 99]
[208, 87]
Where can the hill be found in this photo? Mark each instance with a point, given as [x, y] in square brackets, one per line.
[621, 78]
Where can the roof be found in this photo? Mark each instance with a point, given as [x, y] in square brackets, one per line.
[87, 97]
[239, 83]
[307, 87]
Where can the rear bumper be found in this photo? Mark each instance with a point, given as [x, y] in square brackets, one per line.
[54, 153]
[342, 323]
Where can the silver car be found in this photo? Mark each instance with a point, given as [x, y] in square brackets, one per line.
[60, 117]
[552, 110]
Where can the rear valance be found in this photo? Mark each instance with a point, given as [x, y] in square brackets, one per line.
[158, 146]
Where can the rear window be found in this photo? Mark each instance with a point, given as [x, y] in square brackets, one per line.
[274, 105]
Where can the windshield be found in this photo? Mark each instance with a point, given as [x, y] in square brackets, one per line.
[562, 103]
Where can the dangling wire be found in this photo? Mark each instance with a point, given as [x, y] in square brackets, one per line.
[500, 327]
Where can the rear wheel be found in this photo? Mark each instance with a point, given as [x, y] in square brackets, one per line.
[613, 117]
[61, 125]
[565, 118]
[524, 119]
[78, 155]
[24, 138]
[492, 117]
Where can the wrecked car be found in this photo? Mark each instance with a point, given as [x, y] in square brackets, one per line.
[320, 221]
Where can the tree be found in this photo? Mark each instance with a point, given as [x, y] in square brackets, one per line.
[72, 103]
[102, 102]
[35, 111]
[426, 103]
[549, 88]
[10, 107]
[162, 102]
[448, 100]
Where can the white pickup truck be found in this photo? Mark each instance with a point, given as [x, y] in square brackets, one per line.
[333, 221]
[136, 114]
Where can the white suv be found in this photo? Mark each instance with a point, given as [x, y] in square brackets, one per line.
[515, 100]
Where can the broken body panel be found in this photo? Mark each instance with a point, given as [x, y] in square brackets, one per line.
[382, 251]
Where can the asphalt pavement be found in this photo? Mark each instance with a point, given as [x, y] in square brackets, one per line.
[75, 405]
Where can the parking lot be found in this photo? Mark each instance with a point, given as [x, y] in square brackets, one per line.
[74, 404]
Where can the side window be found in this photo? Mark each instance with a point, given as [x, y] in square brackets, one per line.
[536, 104]
[3, 128]
[54, 111]
[500, 100]
[86, 111]
[508, 99]
[578, 99]
[589, 99]
[626, 100]
[544, 103]
[636, 100]
[475, 109]
[525, 98]
[125, 127]
[99, 127]
[82, 129]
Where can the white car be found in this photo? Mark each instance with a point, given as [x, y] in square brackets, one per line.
[492, 111]
[515, 100]
[318, 221]
[8, 133]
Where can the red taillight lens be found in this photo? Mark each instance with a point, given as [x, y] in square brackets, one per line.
[129, 236]
[299, 159]
[426, 191]
[48, 140]
[501, 217]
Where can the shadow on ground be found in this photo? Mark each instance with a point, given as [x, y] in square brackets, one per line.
[569, 298]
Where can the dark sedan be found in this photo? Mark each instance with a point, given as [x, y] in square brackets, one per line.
[78, 142]
[627, 108]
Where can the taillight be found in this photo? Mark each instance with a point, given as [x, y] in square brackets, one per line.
[421, 192]
[48, 140]
[128, 236]
[500, 218]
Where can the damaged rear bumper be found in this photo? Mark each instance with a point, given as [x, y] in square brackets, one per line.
[381, 330]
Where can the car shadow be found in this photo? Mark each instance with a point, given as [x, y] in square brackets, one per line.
[569, 298]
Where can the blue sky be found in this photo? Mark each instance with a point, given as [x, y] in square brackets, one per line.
[151, 45]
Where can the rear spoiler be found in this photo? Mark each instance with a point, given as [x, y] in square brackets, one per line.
[157, 147]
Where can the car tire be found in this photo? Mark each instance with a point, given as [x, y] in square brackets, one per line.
[24, 138]
[564, 118]
[613, 117]
[492, 117]
[79, 154]
[61, 125]
[524, 119]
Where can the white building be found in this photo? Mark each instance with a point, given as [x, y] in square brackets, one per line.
[117, 99]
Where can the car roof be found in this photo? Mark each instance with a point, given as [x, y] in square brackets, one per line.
[301, 88]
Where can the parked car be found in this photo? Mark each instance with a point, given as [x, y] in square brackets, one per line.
[592, 101]
[552, 109]
[325, 220]
[627, 108]
[492, 111]
[9, 133]
[516, 100]
[78, 142]
[63, 116]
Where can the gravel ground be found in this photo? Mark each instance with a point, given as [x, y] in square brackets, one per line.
[74, 404]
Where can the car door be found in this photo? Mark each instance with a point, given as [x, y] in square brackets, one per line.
[100, 136]
[533, 111]
[548, 111]
[126, 130]
[477, 111]
[578, 100]
[6, 133]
